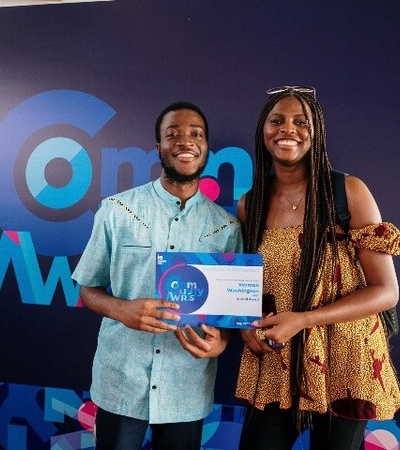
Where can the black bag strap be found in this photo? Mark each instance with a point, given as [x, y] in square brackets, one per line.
[339, 196]
[389, 317]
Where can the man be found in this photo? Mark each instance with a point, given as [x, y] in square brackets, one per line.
[146, 370]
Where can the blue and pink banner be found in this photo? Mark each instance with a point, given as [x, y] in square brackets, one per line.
[81, 86]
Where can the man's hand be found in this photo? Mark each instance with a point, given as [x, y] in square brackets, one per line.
[212, 345]
[147, 314]
[143, 314]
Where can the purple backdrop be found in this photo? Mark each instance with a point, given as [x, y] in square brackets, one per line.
[97, 75]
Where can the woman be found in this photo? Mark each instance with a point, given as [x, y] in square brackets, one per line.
[319, 358]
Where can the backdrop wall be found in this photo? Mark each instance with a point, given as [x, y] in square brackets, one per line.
[80, 88]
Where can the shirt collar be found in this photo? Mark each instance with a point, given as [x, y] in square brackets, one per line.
[169, 198]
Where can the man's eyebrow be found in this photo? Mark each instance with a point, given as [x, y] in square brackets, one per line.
[193, 125]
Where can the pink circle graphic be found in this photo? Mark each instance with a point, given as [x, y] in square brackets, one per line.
[381, 440]
[87, 414]
[228, 257]
[210, 188]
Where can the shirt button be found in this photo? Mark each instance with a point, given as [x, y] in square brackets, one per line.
[154, 386]
[158, 351]
[171, 247]
[176, 219]
[178, 202]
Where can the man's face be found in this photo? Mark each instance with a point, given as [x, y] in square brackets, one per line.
[183, 147]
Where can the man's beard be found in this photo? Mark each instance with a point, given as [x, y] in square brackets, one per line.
[173, 175]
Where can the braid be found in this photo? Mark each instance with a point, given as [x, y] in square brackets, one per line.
[319, 217]
[257, 199]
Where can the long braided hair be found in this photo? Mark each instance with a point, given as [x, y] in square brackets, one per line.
[318, 222]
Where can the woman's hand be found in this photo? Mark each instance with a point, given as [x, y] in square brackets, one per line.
[281, 327]
[255, 341]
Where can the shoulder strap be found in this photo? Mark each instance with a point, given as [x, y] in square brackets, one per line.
[339, 195]
[389, 317]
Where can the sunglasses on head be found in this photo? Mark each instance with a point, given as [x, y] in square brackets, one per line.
[303, 89]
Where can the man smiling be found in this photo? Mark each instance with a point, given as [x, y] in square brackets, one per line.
[147, 371]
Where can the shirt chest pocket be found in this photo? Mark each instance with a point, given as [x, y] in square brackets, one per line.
[132, 239]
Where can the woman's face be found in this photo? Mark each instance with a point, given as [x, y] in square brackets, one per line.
[287, 132]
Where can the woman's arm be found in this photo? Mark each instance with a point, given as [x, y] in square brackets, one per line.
[382, 289]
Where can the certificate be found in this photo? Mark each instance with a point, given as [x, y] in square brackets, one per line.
[219, 289]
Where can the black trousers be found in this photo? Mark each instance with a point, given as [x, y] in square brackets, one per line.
[114, 432]
[274, 429]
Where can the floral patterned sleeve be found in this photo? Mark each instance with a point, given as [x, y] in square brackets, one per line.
[382, 237]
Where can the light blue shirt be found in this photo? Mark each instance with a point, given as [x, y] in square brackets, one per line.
[139, 374]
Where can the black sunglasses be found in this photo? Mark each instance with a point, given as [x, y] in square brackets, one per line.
[304, 89]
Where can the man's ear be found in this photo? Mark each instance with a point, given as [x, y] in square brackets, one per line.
[158, 147]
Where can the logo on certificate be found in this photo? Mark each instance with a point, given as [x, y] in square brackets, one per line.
[184, 284]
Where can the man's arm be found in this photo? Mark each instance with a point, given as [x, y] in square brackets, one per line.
[143, 314]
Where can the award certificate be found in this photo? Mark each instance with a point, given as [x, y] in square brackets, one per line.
[219, 289]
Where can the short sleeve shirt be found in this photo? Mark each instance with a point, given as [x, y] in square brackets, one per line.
[139, 374]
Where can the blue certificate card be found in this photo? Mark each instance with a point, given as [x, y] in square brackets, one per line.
[219, 289]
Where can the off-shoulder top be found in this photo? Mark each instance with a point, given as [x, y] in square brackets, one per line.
[347, 366]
